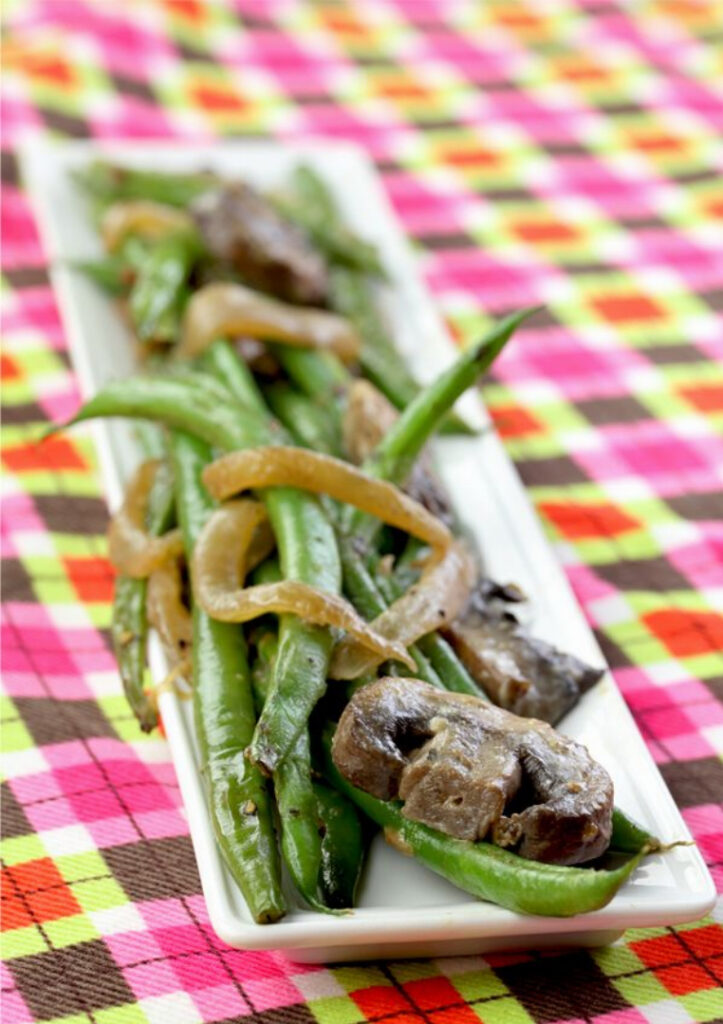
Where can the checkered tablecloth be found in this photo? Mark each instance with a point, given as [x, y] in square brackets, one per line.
[542, 151]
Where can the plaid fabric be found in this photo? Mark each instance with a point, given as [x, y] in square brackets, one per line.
[547, 151]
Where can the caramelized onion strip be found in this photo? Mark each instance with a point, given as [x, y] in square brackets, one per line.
[166, 611]
[368, 416]
[435, 600]
[224, 309]
[281, 466]
[141, 217]
[219, 566]
[132, 550]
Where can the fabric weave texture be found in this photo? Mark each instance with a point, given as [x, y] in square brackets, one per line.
[545, 151]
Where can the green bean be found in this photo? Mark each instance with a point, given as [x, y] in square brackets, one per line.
[307, 552]
[307, 545]
[321, 836]
[437, 653]
[396, 453]
[448, 667]
[393, 459]
[342, 847]
[398, 450]
[111, 273]
[380, 360]
[312, 206]
[366, 597]
[129, 622]
[351, 293]
[179, 404]
[320, 375]
[310, 424]
[487, 871]
[188, 373]
[129, 633]
[151, 439]
[160, 289]
[221, 364]
[115, 272]
[352, 296]
[628, 836]
[389, 373]
[435, 660]
[224, 717]
[109, 183]
[268, 572]
[295, 797]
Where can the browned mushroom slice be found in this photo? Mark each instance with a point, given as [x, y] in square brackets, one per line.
[475, 771]
[516, 670]
[241, 227]
[368, 417]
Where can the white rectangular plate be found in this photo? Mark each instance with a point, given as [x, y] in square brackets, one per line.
[405, 910]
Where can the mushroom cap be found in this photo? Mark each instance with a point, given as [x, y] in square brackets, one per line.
[475, 771]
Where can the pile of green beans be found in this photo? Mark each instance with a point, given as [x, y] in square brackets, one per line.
[109, 183]
[307, 552]
[354, 268]
[321, 835]
[309, 202]
[160, 289]
[224, 717]
[259, 709]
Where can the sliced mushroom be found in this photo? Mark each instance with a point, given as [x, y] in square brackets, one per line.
[516, 670]
[241, 227]
[475, 771]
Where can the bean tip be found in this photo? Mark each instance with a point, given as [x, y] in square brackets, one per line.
[52, 429]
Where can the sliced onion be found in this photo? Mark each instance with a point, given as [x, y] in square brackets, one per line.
[219, 565]
[141, 217]
[368, 416]
[281, 466]
[224, 309]
[434, 601]
[166, 611]
[132, 550]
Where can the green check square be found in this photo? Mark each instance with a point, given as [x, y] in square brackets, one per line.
[74, 1018]
[336, 1010]
[7, 707]
[641, 989]
[69, 931]
[127, 727]
[702, 666]
[54, 591]
[704, 1006]
[413, 970]
[126, 1014]
[22, 942]
[76, 867]
[19, 849]
[99, 894]
[15, 736]
[502, 1011]
[353, 978]
[479, 985]
[616, 960]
